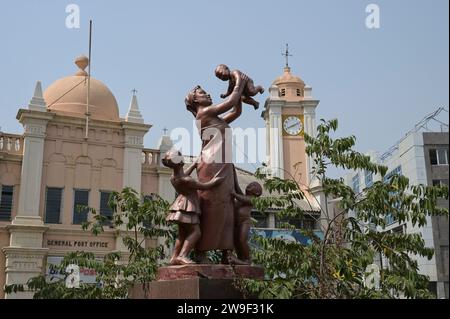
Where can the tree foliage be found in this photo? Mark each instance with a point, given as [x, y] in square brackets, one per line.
[335, 266]
[136, 221]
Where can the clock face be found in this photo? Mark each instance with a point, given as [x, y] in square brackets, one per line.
[292, 125]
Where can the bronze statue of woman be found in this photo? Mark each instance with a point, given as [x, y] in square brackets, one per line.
[217, 220]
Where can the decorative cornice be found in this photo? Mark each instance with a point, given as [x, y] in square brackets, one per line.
[119, 232]
[24, 114]
[20, 252]
[28, 228]
[7, 157]
[275, 110]
[150, 170]
[307, 103]
[35, 130]
[134, 141]
[34, 122]
[79, 121]
[135, 126]
[65, 230]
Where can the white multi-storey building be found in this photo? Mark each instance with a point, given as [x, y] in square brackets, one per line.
[423, 158]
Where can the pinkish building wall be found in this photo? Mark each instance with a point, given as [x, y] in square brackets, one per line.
[295, 159]
[10, 171]
[151, 172]
[4, 241]
[72, 163]
[108, 159]
[294, 150]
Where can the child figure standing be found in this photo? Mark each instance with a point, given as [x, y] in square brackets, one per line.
[185, 211]
[242, 217]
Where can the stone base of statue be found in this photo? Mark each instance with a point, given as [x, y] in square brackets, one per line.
[197, 281]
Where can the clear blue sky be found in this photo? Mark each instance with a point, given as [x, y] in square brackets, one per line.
[378, 83]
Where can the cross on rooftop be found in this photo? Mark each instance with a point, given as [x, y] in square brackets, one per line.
[287, 55]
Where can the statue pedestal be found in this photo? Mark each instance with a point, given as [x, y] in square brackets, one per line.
[197, 281]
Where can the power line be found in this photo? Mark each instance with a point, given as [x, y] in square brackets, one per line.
[65, 93]
[422, 124]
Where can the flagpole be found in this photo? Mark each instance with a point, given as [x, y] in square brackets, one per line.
[88, 81]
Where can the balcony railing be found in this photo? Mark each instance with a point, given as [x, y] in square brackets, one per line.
[150, 157]
[11, 144]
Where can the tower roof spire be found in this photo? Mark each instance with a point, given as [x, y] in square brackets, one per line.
[37, 102]
[134, 115]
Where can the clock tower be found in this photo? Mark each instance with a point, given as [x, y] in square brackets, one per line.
[289, 113]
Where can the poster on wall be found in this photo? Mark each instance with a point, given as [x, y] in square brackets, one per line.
[87, 275]
[289, 235]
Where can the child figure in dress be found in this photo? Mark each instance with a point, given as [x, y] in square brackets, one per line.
[243, 209]
[185, 211]
[237, 77]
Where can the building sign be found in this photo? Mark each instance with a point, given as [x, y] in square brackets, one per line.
[289, 235]
[76, 243]
[86, 275]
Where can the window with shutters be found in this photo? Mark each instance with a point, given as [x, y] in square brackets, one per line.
[6, 201]
[80, 203]
[53, 205]
[105, 210]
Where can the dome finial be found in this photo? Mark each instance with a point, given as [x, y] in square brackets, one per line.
[82, 62]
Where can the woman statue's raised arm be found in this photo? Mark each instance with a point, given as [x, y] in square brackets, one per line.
[228, 104]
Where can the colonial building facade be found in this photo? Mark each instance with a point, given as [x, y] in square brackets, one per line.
[69, 155]
[76, 151]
